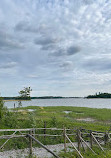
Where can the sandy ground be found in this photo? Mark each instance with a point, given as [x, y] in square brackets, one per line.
[39, 152]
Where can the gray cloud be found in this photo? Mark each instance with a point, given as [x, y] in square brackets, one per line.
[8, 42]
[25, 26]
[58, 53]
[46, 41]
[8, 65]
[88, 1]
[49, 47]
[72, 50]
[97, 64]
[66, 65]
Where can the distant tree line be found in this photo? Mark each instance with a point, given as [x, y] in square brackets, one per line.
[100, 95]
[28, 98]
[42, 97]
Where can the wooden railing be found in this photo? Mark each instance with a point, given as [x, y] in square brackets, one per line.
[81, 135]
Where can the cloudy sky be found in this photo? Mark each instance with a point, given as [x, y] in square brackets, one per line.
[57, 47]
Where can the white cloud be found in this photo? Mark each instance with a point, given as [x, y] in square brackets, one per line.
[49, 41]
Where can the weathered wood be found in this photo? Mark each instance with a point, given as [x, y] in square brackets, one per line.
[30, 143]
[87, 144]
[12, 130]
[97, 142]
[98, 133]
[30, 136]
[9, 136]
[92, 131]
[105, 138]
[83, 146]
[44, 130]
[97, 136]
[74, 147]
[22, 134]
[78, 139]
[28, 129]
[33, 134]
[91, 139]
[64, 135]
[93, 135]
[48, 135]
[7, 140]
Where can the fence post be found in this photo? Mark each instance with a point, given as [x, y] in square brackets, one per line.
[44, 130]
[91, 139]
[30, 142]
[64, 134]
[33, 134]
[78, 139]
[105, 138]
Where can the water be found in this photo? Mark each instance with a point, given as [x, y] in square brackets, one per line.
[79, 102]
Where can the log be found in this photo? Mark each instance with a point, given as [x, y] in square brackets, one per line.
[30, 142]
[97, 142]
[74, 147]
[87, 145]
[28, 135]
[78, 139]
[7, 140]
[64, 135]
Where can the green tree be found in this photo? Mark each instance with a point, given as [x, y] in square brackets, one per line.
[25, 93]
[2, 108]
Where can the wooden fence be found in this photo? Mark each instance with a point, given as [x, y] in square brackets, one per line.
[83, 138]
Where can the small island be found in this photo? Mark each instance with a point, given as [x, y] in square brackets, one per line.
[100, 95]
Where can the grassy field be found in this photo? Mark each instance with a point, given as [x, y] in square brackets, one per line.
[89, 118]
[70, 117]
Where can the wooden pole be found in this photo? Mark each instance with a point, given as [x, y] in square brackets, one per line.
[44, 130]
[30, 136]
[87, 144]
[33, 134]
[64, 135]
[78, 139]
[30, 142]
[105, 138]
[8, 140]
[74, 147]
[91, 139]
[97, 142]
[83, 146]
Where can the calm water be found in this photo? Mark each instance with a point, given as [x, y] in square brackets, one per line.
[81, 102]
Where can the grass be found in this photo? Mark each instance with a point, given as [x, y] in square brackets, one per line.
[55, 117]
[87, 154]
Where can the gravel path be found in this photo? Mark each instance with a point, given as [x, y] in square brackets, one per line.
[39, 152]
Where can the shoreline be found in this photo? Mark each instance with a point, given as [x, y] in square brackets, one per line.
[14, 100]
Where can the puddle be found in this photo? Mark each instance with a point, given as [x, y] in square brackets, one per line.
[67, 112]
[31, 110]
[17, 110]
[86, 119]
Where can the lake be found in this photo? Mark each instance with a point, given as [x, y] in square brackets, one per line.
[79, 102]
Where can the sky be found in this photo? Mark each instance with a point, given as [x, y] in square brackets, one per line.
[57, 47]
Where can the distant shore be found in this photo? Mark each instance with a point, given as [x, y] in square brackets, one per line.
[44, 97]
[14, 100]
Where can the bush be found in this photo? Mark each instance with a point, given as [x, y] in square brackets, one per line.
[2, 109]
